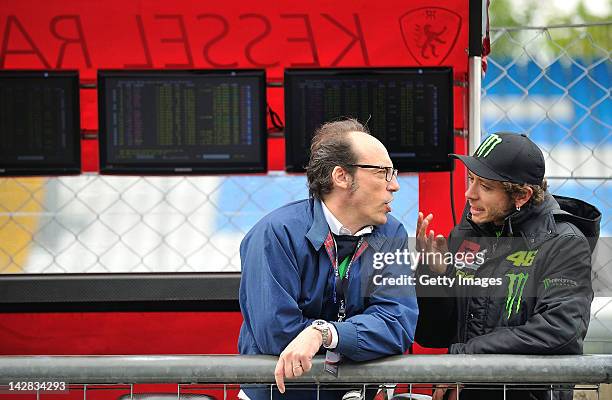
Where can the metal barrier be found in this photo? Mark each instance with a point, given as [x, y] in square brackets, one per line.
[493, 371]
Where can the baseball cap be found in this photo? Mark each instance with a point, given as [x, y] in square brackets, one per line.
[506, 156]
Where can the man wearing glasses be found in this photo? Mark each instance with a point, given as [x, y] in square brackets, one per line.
[307, 267]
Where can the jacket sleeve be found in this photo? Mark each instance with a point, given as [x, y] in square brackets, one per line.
[387, 324]
[270, 289]
[437, 324]
[562, 309]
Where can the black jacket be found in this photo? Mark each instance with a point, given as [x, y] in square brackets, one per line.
[532, 293]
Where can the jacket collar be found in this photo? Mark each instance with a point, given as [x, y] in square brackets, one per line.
[336, 226]
[319, 230]
[535, 224]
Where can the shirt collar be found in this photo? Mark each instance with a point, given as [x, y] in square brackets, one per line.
[336, 226]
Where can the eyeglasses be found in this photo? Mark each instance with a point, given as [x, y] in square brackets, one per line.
[390, 172]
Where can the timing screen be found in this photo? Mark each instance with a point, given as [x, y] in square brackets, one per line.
[183, 120]
[410, 113]
[37, 121]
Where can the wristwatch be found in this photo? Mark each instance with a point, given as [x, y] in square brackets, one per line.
[322, 326]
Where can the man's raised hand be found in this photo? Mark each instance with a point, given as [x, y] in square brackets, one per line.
[429, 245]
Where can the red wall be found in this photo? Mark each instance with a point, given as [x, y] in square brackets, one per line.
[88, 35]
[120, 333]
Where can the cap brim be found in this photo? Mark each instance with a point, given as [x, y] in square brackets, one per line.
[479, 168]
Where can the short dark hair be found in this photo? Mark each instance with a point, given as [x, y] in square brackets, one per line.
[515, 190]
[331, 146]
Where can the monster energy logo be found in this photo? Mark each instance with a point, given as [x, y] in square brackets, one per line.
[489, 144]
[556, 282]
[515, 292]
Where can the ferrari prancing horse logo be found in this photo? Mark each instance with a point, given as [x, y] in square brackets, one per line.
[430, 33]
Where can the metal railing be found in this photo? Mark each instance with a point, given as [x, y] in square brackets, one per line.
[467, 371]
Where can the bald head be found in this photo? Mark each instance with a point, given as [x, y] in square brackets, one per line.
[366, 146]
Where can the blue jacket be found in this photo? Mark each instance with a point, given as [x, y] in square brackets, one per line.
[287, 282]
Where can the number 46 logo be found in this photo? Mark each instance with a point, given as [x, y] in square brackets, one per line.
[522, 258]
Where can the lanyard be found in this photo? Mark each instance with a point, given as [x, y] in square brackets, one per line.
[337, 287]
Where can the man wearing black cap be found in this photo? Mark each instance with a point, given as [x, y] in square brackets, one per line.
[519, 269]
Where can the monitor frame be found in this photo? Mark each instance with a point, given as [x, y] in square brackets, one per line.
[57, 168]
[186, 168]
[403, 164]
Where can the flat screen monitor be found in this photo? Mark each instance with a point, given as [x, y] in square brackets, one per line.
[409, 109]
[40, 130]
[181, 122]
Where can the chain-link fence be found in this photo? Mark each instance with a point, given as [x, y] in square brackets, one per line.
[554, 84]
[94, 223]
